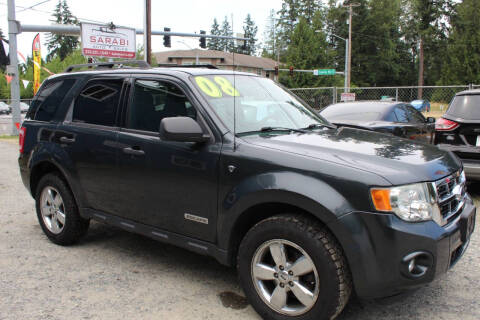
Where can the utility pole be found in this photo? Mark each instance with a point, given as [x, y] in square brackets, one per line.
[350, 14]
[147, 37]
[12, 69]
[420, 70]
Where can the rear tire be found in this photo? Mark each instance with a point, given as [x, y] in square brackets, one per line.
[57, 211]
[312, 282]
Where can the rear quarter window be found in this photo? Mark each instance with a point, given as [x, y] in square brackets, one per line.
[465, 107]
[49, 98]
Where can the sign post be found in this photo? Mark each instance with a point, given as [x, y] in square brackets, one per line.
[108, 41]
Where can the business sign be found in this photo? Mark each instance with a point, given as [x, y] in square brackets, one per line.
[347, 96]
[108, 41]
[324, 72]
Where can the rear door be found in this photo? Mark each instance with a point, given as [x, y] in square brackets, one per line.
[88, 135]
[165, 184]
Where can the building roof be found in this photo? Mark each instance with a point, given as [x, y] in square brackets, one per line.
[225, 58]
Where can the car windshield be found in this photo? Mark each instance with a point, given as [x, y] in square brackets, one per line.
[466, 107]
[259, 104]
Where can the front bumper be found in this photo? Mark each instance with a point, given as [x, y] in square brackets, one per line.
[378, 248]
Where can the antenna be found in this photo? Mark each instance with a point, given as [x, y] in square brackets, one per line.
[234, 100]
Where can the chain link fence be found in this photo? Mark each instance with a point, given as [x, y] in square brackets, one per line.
[319, 98]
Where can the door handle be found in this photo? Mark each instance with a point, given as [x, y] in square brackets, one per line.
[134, 151]
[67, 140]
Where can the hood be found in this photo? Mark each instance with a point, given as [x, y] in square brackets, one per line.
[398, 160]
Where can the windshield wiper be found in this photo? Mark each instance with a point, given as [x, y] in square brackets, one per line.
[318, 126]
[270, 129]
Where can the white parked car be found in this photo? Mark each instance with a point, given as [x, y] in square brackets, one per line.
[4, 109]
[24, 107]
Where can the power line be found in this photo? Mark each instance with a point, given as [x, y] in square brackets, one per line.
[37, 4]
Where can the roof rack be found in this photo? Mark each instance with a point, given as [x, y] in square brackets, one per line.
[170, 65]
[108, 65]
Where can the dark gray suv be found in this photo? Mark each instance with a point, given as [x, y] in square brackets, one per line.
[232, 166]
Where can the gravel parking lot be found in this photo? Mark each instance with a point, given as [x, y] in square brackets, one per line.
[112, 274]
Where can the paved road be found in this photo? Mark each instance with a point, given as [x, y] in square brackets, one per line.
[112, 274]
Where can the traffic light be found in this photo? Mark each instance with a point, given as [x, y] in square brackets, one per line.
[276, 71]
[291, 71]
[166, 38]
[203, 40]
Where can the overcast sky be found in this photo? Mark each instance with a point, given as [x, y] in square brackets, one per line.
[180, 15]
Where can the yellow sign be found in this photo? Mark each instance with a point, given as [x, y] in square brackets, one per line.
[212, 90]
[37, 63]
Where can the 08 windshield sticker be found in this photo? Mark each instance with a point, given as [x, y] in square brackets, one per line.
[212, 89]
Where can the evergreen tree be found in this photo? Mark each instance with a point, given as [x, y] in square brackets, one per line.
[308, 9]
[226, 30]
[214, 44]
[462, 61]
[289, 15]
[309, 50]
[426, 33]
[269, 35]
[250, 31]
[60, 45]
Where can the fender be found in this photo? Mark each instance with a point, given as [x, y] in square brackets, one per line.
[289, 188]
[56, 155]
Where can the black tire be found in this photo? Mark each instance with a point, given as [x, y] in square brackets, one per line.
[335, 285]
[75, 226]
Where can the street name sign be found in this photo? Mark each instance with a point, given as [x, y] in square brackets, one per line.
[324, 72]
[108, 41]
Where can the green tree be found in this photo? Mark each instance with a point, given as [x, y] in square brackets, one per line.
[285, 25]
[309, 50]
[461, 61]
[425, 32]
[226, 30]
[214, 44]
[269, 35]
[250, 31]
[60, 45]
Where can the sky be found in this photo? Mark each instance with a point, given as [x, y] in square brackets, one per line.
[188, 16]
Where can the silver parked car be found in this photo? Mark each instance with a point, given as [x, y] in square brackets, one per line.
[4, 109]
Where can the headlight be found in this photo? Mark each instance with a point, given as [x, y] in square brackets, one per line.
[414, 202]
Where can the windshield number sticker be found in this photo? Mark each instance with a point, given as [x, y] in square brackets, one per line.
[226, 86]
[208, 87]
[212, 90]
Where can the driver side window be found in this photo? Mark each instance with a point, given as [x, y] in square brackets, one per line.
[154, 100]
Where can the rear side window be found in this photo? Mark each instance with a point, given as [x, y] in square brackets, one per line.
[97, 103]
[401, 114]
[465, 107]
[49, 99]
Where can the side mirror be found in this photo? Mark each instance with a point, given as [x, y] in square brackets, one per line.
[431, 120]
[181, 129]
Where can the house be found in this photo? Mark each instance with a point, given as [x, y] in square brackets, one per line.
[220, 59]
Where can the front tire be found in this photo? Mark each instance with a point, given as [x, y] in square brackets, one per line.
[291, 266]
[57, 211]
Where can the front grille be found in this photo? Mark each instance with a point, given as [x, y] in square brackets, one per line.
[451, 194]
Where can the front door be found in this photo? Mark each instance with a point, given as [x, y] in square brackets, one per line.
[169, 185]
